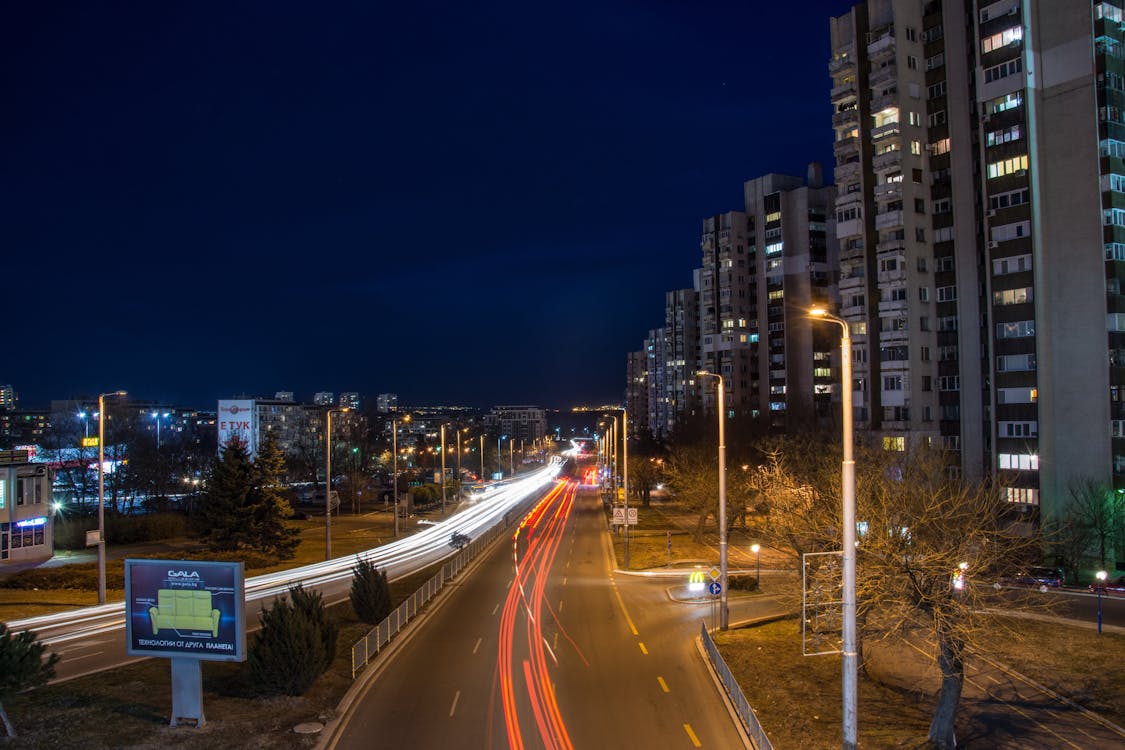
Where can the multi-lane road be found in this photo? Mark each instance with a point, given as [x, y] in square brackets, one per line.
[543, 646]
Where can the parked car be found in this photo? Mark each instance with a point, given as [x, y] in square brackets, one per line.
[1110, 586]
[1035, 575]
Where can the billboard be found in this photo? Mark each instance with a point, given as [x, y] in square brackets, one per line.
[185, 608]
[238, 418]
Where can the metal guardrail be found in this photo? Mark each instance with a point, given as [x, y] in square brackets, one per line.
[379, 636]
[741, 705]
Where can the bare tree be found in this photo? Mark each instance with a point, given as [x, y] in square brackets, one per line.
[927, 553]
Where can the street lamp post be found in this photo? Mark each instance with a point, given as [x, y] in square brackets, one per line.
[1101, 576]
[721, 408]
[443, 470]
[757, 550]
[158, 416]
[850, 656]
[101, 492]
[328, 482]
[625, 476]
[482, 457]
[394, 450]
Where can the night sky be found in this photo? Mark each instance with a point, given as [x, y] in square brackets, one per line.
[471, 203]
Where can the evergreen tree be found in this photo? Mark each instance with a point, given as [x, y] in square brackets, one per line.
[22, 666]
[296, 644]
[222, 514]
[370, 594]
[268, 508]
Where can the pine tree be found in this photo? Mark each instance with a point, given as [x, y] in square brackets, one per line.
[222, 514]
[370, 593]
[268, 508]
[296, 644]
[22, 666]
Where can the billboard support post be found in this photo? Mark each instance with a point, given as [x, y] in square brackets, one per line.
[187, 690]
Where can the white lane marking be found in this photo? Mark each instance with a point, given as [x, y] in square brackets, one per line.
[477, 645]
[453, 708]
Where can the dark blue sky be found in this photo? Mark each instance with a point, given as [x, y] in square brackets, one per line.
[459, 202]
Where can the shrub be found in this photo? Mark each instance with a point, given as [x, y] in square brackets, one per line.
[742, 583]
[370, 594]
[22, 666]
[295, 645]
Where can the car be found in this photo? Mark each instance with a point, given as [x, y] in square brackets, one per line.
[1035, 575]
[1111, 586]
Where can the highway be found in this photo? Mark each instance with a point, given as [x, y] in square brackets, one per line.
[92, 639]
[543, 645]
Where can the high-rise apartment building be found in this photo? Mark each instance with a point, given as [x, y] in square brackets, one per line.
[324, 398]
[979, 168]
[7, 397]
[385, 403]
[349, 400]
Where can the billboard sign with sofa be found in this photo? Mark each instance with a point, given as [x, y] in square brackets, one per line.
[185, 608]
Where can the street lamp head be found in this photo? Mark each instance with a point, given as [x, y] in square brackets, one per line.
[755, 548]
[818, 312]
[1101, 575]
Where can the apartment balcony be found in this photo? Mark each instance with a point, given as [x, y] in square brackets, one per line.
[845, 148]
[888, 220]
[856, 311]
[844, 59]
[847, 89]
[884, 101]
[846, 171]
[895, 306]
[882, 48]
[891, 128]
[893, 338]
[880, 77]
[891, 245]
[898, 274]
[887, 160]
[888, 191]
[846, 118]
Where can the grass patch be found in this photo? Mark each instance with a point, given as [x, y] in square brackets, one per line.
[798, 698]
[129, 707]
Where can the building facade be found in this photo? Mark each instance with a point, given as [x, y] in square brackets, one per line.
[25, 509]
[979, 167]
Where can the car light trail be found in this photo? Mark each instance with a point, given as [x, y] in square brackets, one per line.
[399, 558]
[541, 532]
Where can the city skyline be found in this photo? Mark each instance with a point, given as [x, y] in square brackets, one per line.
[443, 203]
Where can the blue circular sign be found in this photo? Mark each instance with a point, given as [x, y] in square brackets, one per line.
[715, 588]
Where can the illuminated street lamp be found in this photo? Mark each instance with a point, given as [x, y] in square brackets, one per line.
[158, 416]
[85, 423]
[101, 492]
[394, 450]
[757, 550]
[328, 480]
[1101, 576]
[721, 409]
[850, 657]
[482, 457]
[443, 469]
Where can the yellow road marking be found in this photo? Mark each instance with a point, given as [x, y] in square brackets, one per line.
[643, 649]
[691, 735]
[560, 605]
[628, 619]
[663, 684]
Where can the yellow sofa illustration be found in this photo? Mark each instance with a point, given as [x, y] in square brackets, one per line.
[184, 609]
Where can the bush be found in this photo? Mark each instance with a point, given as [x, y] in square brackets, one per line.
[296, 644]
[370, 594]
[70, 531]
[742, 583]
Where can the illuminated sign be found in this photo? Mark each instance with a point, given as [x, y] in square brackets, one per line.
[238, 419]
[28, 523]
[90, 442]
[185, 608]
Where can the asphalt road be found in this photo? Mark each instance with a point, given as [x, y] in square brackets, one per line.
[558, 653]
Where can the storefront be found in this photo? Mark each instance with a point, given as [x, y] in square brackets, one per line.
[25, 509]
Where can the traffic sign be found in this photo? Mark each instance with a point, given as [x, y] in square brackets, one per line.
[715, 588]
[714, 573]
[618, 515]
[632, 516]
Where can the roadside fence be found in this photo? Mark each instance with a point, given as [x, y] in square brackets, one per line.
[742, 706]
[367, 647]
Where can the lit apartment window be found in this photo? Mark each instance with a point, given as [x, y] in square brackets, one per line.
[1005, 135]
[1013, 296]
[1016, 329]
[775, 248]
[916, 148]
[1003, 39]
[894, 443]
[1007, 166]
[1003, 103]
[1022, 495]
[1107, 11]
[939, 147]
[1018, 461]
